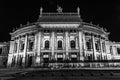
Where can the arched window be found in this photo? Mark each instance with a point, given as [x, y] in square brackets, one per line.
[59, 44]
[72, 44]
[46, 44]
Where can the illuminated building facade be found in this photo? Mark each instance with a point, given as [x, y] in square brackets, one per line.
[57, 38]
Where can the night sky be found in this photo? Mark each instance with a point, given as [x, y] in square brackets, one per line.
[106, 13]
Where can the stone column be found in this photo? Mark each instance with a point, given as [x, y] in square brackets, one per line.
[66, 44]
[53, 44]
[105, 47]
[35, 44]
[35, 50]
[38, 43]
[80, 46]
[94, 49]
[101, 48]
[84, 45]
[12, 44]
[76, 42]
[112, 51]
[25, 52]
[18, 45]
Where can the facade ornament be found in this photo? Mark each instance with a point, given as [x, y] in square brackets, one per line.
[13, 29]
[78, 11]
[91, 22]
[59, 9]
[41, 10]
[20, 25]
[28, 22]
[102, 29]
[98, 25]
[105, 29]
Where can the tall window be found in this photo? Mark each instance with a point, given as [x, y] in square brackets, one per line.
[31, 45]
[15, 47]
[72, 44]
[111, 50]
[22, 46]
[89, 44]
[118, 50]
[59, 44]
[0, 50]
[46, 44]
[97, 45]
[103, 47]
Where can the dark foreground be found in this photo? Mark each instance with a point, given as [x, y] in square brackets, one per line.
[82, 74]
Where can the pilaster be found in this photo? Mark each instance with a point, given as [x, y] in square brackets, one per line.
[94, 49]
[35, 44]
[18, 45]
[80, 46]
[53, 44]
[12, 44]
[39, 43]
[35, 50]
[67, 44]
[101, 48]
[38, 47]
[25, 52]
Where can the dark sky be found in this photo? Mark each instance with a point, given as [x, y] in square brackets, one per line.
[106, 13]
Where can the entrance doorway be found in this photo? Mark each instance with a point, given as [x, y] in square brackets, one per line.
[20, 61]
[46, 57]
[59, 57]
[74, 57]
[29, 61]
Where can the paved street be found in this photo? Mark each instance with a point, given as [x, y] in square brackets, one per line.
[7, 73]
[38, 74]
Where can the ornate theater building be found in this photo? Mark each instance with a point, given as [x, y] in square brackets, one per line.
[59, 39]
